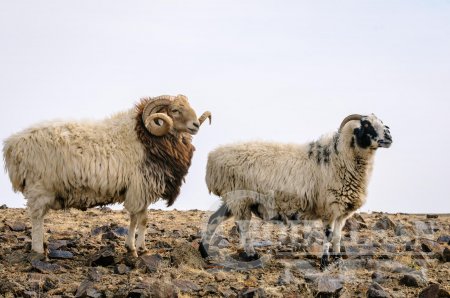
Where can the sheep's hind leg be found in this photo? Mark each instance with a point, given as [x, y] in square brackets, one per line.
[243, 222]
[214, 221]
[325, 260]
[130, 241]
[141, 230]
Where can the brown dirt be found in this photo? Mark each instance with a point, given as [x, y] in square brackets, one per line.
[403, 244]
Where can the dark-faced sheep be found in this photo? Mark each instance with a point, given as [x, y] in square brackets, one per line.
[326, 179]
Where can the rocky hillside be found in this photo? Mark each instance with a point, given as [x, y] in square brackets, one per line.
[385, 255]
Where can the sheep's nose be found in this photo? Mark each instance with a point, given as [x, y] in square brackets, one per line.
[196, 124]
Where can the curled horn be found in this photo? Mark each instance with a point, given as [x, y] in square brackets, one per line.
[203, 117]
[151, 118]
[349, 118]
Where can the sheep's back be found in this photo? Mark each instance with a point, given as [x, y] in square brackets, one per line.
[261, 167]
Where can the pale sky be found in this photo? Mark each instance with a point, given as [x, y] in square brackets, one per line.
[286, 71]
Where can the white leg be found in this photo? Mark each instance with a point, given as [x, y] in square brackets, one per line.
[37, 208]
[336, 238]
[130, 242]
[142, 229]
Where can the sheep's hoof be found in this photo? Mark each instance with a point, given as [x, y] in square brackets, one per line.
[248, 258]
[324, 262]
[131, 252]
[203, 249]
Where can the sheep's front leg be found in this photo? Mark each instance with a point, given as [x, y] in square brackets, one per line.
[214, 221]
[130, 242]
[243, 222]
[336, 238]
[142, 230]
[37, 208]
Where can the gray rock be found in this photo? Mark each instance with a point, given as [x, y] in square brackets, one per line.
[45, 267]
[30, 294]
[186, 285]
[403, 230]
[104, 257]
[17, 226]
[285, 278]
[378, 277]
[121, 231]
[150, 263]
[384, 223]
[57, 244]
[83, 288]
[263, 243]
[3, 206]
[432, 216]
[60, 254]
[121, 269]
[94, 274]
[252, 292]
[423, 227]
[377, 291]
[329, 286]
[432, 291]
[187, 255]
[444, 239]
[446, 255]
[413, 280]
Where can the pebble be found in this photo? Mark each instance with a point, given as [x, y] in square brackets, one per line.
[150, 263]
[121, 269]
[252, 292]
[384, 223]
[413, 280]
[444, 239]
[60, 254]
[104, 257]
[329, 286]
[186, 285]
[446, 255]
[377, 291]
[17, 226]
[45, 267]
[432, 216]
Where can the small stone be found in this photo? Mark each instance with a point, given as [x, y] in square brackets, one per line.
[403, 230]
[263, 243]
[285, 278]
[252, 292]
[121, 269]
[378, 276]
[377, 291]
[17, 226]
[45, 267]
[94, 274]
[446, 255]
[185, 254]
[57, 244]
[3, 206]
[30, 294]
[150, 263]
[432, 216]
[328, 286]
[444, 239]
[432, 291]
[423, 227]
[104, 257]
[93, 293]
[413, 280]
[83, 288]
[220, 276]
[186, 285]
[121, 231]
[384, 223]
[49, 284]
[60, 254]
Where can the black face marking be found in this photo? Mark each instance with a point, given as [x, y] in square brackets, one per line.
[365, 134]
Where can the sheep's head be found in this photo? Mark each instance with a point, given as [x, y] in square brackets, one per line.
[367, 131]
[164, 113]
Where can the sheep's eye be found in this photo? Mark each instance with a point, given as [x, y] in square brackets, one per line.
[175, 111]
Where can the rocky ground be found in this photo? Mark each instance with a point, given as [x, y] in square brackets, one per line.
[386, 255]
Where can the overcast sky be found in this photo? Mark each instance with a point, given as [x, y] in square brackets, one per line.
[286, 71]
